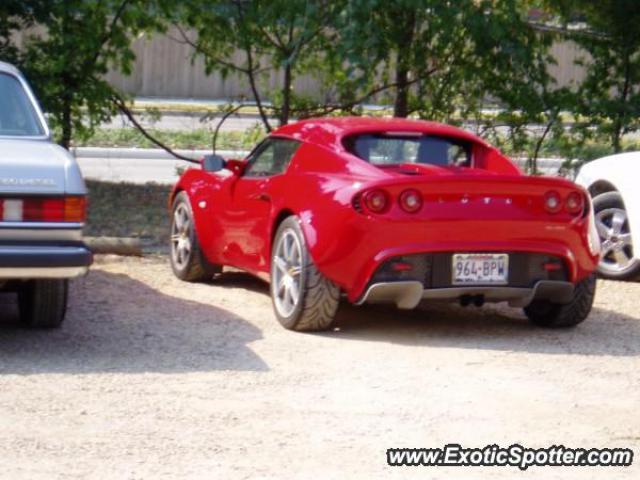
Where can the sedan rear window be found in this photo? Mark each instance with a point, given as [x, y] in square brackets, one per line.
[392, 149]
[17, 115]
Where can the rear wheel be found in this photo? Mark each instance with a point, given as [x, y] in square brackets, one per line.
[617, 261]
[303, 299]
[187, 259]
[43, 303]
[553, 315]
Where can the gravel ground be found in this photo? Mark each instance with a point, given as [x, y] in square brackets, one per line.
[154, 378]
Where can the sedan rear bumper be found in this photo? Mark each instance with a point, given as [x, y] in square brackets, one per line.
[44, 261]
[408, 294]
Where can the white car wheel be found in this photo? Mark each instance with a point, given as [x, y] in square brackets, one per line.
[617, 259]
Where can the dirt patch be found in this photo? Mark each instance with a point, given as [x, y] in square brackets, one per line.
[129, 210]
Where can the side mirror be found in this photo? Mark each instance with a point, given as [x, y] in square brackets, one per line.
[213, 163]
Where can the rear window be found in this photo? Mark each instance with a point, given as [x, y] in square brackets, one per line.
[17, 115]
[385, 149]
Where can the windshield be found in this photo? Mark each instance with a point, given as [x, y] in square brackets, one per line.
[18, 117]
[391, 149]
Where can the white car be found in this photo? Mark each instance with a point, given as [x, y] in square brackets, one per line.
[613, 184]
[42, 208]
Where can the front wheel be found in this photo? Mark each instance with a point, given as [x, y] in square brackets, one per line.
[553, 315]
[303, 299]
[43, 303]
[187, 258]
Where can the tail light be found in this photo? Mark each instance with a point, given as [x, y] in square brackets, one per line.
[552, 202]
[376, 201]
[410, 201]
[574, 203]
[70, 209]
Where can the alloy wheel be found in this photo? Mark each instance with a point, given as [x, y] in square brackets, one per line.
[617, 248]
[287, 273]
[181, 236]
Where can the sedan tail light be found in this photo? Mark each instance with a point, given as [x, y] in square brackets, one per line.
[71, 209]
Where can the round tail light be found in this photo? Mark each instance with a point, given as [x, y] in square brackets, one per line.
[574, 203]
[552, 202]
[376, 201]
[410, 201]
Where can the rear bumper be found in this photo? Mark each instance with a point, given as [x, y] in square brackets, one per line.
[351, 255]
[408, 294]
[44, 261]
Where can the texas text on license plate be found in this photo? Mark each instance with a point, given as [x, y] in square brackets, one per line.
[480, 268]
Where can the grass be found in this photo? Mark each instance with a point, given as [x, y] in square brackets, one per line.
[177, 139]
[129, 210]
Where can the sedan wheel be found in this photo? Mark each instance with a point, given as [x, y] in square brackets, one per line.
[43, 303]
[617, 260]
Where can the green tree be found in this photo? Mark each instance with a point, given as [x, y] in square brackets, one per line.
[609, 33]
[452, 61]
[413, 50]
[15, 15]
[442, 59]
[515, 57]
[79, 41]
[260, 41]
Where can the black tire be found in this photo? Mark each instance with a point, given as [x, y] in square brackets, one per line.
[191, 267]
[553, 315]
[43, 303]
[318, 297]
[608, 268]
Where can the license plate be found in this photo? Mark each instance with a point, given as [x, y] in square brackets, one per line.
[480, 268]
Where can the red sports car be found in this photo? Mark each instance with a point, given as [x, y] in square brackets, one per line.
[387, 210]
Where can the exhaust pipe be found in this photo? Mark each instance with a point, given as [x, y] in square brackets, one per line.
[466, 300]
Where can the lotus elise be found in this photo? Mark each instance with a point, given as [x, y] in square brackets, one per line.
[387, 211]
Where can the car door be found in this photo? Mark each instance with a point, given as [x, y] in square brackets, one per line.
[249, 212]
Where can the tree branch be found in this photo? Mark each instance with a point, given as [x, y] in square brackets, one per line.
[107, 36]
[119, 102]
[204, 52]
[362, 98]
[254, 89]
[534, 158]
[222, 120]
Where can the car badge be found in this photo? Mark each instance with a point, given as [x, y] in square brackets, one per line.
[27, 182]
